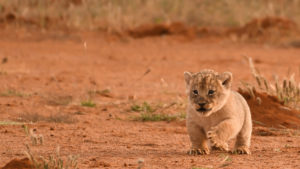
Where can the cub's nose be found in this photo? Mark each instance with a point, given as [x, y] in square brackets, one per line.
[201, 104]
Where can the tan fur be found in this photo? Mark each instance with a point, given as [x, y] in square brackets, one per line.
[216, 114]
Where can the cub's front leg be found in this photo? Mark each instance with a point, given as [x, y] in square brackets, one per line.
[198, 139]
[221, 133]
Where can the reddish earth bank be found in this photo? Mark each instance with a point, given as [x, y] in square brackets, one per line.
[268, 111]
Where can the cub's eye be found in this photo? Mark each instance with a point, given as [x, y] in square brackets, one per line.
[195, 92]
[211, 92]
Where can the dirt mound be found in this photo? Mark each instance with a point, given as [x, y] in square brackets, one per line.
[270, 112]
[175, 28]
[18, 164]
[265, 28]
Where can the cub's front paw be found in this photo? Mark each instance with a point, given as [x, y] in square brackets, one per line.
[216, 143]
[242, 150]
[194, 151]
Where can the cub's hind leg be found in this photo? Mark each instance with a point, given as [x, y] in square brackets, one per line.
[242, 144]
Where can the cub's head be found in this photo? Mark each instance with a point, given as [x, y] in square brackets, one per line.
[207, 90]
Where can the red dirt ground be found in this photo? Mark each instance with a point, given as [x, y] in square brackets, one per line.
[50, 73]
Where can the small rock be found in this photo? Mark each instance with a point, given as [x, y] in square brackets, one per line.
[104, 164]
[4, 60]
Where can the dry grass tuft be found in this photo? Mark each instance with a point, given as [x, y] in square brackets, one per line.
[88, 103]
[6, 123]
[287, 91]
[55, 161]
[155, 117]
[59, 100]
[144, 107]
[12, 93]
[53, 118]
[149, 112]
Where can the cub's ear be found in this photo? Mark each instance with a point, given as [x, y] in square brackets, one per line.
[226, 79]
[187, 77]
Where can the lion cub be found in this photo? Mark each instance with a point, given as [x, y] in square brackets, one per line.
[216, 114]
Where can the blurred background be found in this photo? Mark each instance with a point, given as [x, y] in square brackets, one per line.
[126, 14]
[240, 20]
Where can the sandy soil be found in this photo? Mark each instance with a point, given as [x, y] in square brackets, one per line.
[51, 73]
